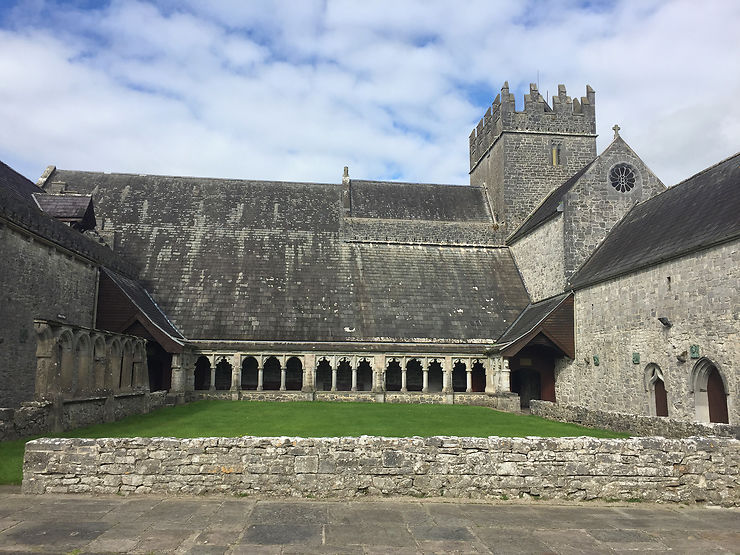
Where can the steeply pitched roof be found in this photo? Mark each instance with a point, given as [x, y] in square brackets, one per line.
[699, 212]
[146, 305]
[530, 317]
[548, 207]
[12, 181]
[266, 261]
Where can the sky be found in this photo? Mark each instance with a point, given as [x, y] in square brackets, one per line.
[295, 90]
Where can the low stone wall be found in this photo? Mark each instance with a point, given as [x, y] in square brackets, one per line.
[42, 417]
[650, 469]
[630, 423]
[506, 402]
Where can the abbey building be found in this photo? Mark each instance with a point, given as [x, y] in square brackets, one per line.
[558, 273]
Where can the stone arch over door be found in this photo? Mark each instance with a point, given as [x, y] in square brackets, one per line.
[655, 386]
[710, 392]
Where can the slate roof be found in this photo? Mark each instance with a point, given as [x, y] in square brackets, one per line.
[418, 201]
[266, 261]
[697, 213]
[548, 207]
[12, 181]
[146, 305]
[530, 318]
[17, 206]
[64, 206]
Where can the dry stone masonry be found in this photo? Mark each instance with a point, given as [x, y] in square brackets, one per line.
[694, 470]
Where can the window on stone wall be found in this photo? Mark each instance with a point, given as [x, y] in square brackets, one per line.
[555, 153]
[623, 177]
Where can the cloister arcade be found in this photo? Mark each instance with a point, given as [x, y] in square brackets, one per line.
[215, 371]
[75, 362]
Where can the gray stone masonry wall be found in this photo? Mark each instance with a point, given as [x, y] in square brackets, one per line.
[592, 207]
[41, 282]
[618, 318]
[511, 151]
[650, 469]
[630, 423]
[539, 257]
[36, 418]
[529, 175]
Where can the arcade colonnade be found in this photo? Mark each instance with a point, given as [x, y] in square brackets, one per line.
[309, 372]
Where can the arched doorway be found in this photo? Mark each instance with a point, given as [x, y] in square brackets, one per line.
[710, 392]
[533, 374]
[323, 375]
[478, 377]
[436, 376]
[655, 386]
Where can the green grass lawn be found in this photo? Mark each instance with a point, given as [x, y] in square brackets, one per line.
[311, 419]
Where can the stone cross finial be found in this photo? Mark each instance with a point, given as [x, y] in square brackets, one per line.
[616, 130]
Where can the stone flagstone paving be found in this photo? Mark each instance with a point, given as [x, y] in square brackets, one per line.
[216, 524]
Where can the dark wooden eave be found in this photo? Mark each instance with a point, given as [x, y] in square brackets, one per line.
[548, 323]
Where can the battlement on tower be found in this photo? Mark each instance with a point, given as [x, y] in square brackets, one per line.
[566, 116]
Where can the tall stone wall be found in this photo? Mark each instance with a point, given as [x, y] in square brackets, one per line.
[592, 207]
[540, 256]
[651, 469]
[42, 281]
[617, 322]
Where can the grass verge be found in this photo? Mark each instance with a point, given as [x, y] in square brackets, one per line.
[311, 419]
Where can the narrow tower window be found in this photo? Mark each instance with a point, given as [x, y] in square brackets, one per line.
[555, 155]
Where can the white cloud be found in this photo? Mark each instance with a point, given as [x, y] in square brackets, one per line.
[296, 90]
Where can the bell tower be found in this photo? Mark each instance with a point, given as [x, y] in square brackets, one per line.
[521, 156]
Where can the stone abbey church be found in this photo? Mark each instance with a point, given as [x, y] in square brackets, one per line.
[558, 274]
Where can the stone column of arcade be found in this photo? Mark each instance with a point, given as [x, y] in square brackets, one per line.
[236, 375]
[468, 378]
[447, 376]
[260, 374]
[212, 360]
[404, 389]
[309, 374]
[354, 376]
[334, 377]
[425, 377]
[282, 377]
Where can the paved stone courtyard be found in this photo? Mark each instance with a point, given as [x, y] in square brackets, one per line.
[216, 524]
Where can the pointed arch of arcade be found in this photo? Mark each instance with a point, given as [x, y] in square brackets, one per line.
[202, 380]
[250, 373]
[271, 374]
[323, 374]
[654, 383]
[293, 374]
[222, 378]
[710, 389]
